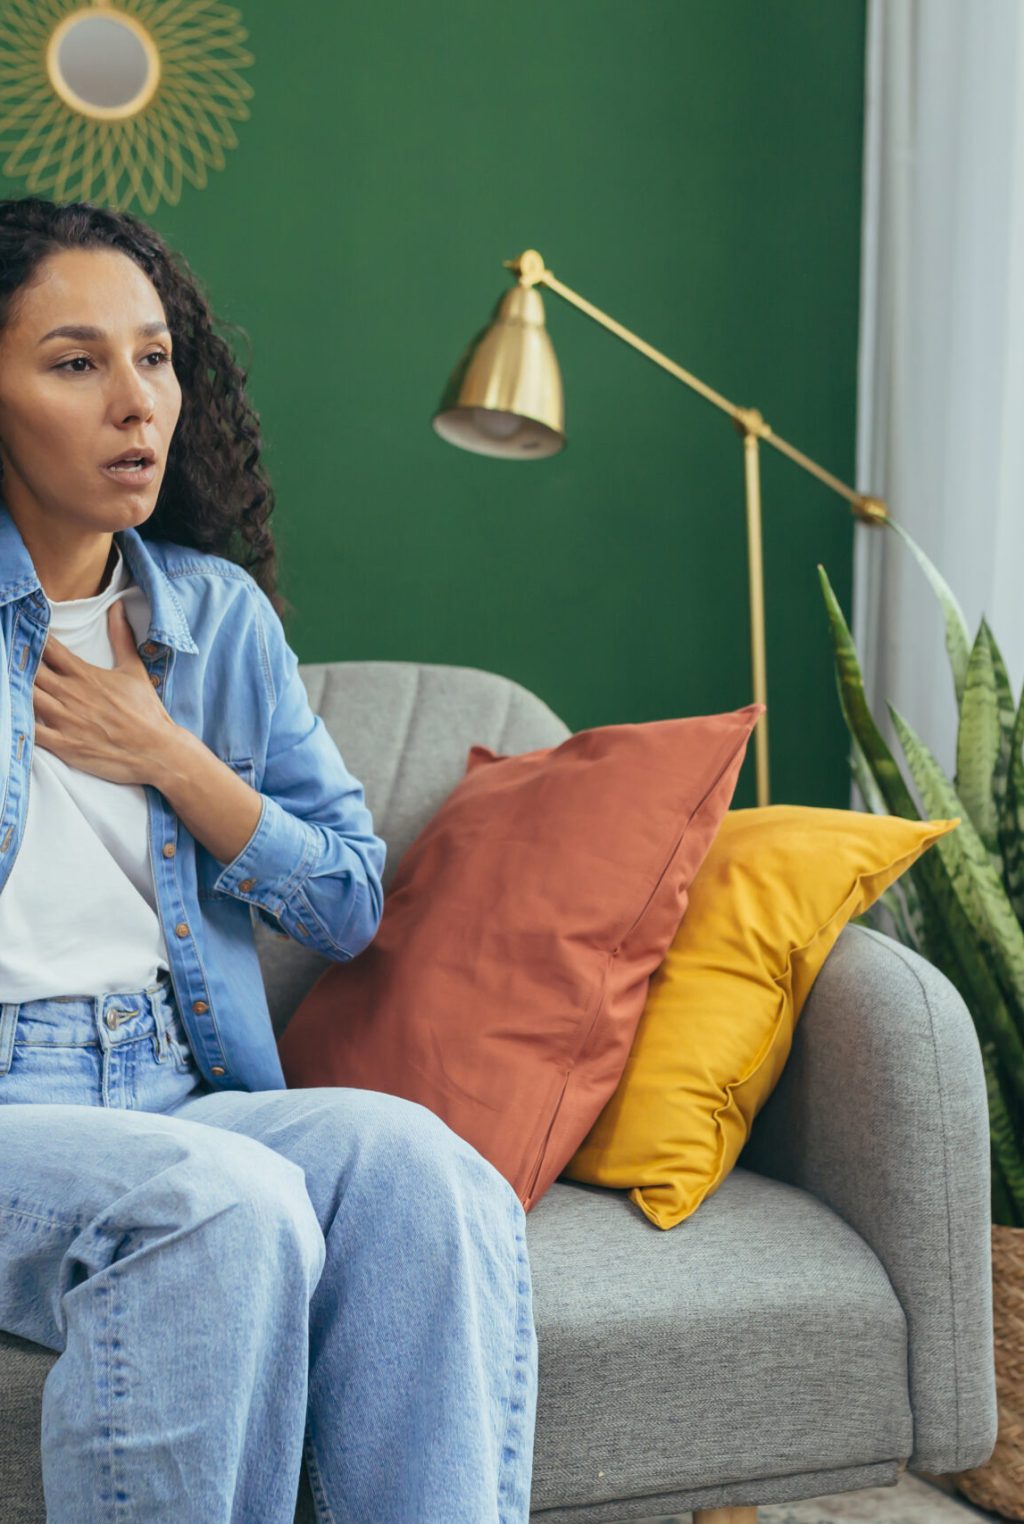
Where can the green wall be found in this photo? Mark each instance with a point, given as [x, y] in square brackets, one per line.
[691, 168]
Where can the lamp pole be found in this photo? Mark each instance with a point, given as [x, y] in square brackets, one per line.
[531, 271]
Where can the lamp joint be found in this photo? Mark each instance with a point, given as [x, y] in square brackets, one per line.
[748, 420]
[529, 267]
[871, 509]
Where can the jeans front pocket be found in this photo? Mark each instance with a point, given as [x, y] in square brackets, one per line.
[48, 1052]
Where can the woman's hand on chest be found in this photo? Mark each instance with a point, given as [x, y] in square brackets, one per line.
[109, 722]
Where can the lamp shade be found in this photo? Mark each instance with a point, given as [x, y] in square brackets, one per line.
[504, 396]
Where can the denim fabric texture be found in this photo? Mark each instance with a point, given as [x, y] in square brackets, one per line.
[235, 1280]
[217, 654]
[235, 1274]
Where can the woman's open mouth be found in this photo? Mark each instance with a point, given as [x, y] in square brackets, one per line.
[131, 473]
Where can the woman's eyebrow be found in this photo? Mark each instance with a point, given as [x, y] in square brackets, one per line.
[84, 331]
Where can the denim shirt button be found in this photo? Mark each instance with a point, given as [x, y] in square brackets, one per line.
[200, 1006]
[247, 885]
[181, 929]
[216, 1069]
[154, 679]
[168, 848]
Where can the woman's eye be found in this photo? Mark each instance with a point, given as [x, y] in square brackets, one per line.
[155, 354]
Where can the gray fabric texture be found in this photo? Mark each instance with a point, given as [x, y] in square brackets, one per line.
[760, 1337]
[823, 1317]
[881, 1112]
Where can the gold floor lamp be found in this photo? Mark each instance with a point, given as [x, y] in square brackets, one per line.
[504, 397]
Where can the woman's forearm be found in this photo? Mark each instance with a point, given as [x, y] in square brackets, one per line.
[212, 801]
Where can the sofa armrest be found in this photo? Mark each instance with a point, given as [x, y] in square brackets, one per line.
[881, 1112]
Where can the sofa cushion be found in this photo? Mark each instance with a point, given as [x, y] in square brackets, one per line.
[504, 984]
[761, 1338]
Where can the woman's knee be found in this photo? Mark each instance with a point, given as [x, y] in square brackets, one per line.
[404, 1143]
[264, 1188]
[231, 1187]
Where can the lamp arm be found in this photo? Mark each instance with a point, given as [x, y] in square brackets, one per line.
[531, 271]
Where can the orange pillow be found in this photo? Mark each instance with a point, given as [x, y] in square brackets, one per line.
[510, 968]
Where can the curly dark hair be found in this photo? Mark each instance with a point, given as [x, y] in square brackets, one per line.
[215, 495]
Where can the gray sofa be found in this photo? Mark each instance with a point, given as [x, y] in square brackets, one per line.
[822, 1322]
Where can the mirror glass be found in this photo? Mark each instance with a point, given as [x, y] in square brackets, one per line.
[102, 62]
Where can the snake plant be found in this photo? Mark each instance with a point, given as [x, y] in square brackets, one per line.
[961, 905]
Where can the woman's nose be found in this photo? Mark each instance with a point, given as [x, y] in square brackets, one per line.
[133, 396]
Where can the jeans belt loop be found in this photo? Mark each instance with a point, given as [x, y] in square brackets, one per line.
[163, 1045]
[8, 1025]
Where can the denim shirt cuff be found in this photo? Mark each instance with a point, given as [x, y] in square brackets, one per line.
[278, 855]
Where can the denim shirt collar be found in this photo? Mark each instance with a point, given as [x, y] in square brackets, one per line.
[167, 618]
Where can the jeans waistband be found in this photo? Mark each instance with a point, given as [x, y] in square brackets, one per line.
[76, 1020]
[86, 1002]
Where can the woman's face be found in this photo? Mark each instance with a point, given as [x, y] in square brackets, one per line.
[70, 403]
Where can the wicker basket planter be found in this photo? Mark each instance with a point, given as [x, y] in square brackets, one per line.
[998, 1485]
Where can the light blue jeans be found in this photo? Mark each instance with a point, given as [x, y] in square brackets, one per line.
[236, 1279]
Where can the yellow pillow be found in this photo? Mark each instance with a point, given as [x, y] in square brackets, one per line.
[765, 910]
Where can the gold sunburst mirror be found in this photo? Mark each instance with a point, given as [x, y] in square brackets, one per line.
[119, 102]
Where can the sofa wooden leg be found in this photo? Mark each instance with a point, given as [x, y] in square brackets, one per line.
[725, 1516]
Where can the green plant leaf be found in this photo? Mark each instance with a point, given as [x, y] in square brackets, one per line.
[983, 742]
[905, 928]
[1005, 712]
[961, 904]
[1005, 1145]
[950, 939]
[859, 719]
[871, 794]
[974, 880]
[906, 888]
[1011, 817]
[1003, 1210]
[958, 640]
[955, 947]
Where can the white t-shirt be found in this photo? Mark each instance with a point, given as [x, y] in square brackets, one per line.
[78, 913]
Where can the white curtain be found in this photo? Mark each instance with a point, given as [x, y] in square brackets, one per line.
[940, 431]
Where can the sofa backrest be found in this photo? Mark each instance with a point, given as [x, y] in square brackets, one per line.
[403, 729]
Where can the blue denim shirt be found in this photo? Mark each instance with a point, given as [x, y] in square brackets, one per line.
[311, 870]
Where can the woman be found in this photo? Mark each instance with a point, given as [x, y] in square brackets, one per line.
[235, 1274]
